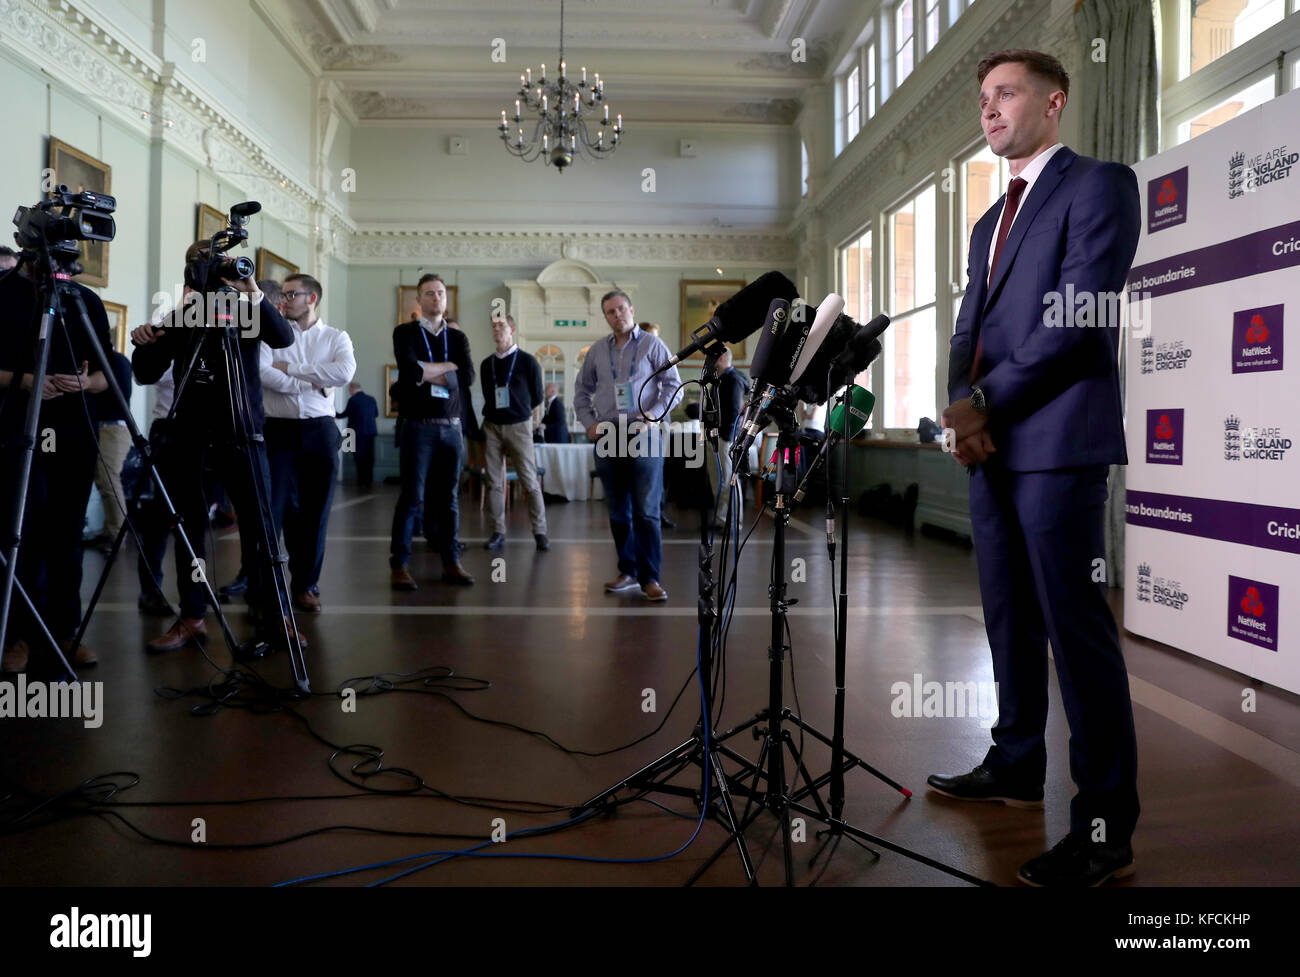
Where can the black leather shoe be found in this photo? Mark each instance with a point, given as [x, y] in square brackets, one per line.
[543, 543]
[981, 785]
[496, 542]
[233, 589]
[1075, 862]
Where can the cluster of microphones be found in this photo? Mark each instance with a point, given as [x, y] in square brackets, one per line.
[805, 353]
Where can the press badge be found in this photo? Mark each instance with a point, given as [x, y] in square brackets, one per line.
[503, 397]
[623, 396]
[439, 392]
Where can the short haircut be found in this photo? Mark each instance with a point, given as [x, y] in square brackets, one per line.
[7, 252]
[430, 277]
[649, 327]
[618, 293]
[196, 250]
[510, 321]
[312, 285]
[271, 289]
[1043, 66]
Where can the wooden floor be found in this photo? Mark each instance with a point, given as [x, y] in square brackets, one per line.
[1219, 787]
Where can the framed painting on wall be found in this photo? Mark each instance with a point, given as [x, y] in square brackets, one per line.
[271, 265]
[208, 222]
[700, 300]
[390, 378]
[81, 171]
[408, 303]
[117, 325]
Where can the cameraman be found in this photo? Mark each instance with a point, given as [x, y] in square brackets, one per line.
[63, 461]
[203, 428]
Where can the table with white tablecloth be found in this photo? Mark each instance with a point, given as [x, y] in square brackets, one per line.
[568, 471]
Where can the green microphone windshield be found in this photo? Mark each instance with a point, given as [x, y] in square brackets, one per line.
[858, 410]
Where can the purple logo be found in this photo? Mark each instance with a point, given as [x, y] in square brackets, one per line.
[1257, 340]
[1165, 436]
[1167, 200]
[1252, 612]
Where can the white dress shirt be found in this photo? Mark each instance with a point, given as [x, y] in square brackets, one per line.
[1029, 174]
[320, 358]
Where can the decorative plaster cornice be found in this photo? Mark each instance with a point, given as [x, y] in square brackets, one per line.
[647, 249]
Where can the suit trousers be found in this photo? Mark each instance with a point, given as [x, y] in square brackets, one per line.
[513, 441]
[1040, 545]
[304, 460]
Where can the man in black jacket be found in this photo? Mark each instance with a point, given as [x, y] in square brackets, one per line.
[555, 421]
[63, 462]
[202, 426]
[361, 412]
[434, 371]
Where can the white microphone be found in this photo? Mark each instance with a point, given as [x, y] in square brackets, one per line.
[827, 312]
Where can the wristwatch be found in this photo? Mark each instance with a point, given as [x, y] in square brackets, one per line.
[977, 400]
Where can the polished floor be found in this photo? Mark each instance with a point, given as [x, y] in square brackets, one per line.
[1219, 787]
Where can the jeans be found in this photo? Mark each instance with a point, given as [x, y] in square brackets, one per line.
[634, 494]
[431, 457]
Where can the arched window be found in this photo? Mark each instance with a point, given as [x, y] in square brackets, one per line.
[551, 360]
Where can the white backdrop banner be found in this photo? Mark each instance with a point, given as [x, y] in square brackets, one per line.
[1213, 406]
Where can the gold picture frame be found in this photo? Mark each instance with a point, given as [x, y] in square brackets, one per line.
[700, 298]
[271, 265]
[207, 222]
[408, 303]
[117, 324]
[390, 378]
[81, 171]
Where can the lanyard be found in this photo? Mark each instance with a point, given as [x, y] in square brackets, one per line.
[425, 335]
[612, 368]
[513, 356]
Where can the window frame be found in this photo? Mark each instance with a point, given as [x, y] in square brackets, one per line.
[885, 248]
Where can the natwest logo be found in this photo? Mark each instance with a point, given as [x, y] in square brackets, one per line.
[1167, 200]
[1253, 611]
[1257, 339]
[1165, 436]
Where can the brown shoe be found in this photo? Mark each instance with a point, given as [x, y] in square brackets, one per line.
[456, 574]
[302, 640]
[652, 591]
[84, 656]
[307, 601]
[15, 657]
[623, 582]
[184, 631]
[402, 579]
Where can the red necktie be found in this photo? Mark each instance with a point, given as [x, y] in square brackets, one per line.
[1014, 190]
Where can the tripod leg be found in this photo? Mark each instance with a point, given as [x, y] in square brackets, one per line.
[729, 810]
[45, 632]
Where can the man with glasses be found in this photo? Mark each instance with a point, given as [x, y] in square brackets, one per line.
[620, 411]
[434, 371]
[302, 439]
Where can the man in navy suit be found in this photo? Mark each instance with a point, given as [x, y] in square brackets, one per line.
[361, 412]
[1036, 417]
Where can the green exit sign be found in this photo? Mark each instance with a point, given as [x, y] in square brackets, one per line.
[570, 323]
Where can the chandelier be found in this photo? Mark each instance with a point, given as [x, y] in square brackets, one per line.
[562, 111]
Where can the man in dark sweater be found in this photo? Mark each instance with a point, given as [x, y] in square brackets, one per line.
[434, 371]
[512, 390]
[201, 429]
[361, 412]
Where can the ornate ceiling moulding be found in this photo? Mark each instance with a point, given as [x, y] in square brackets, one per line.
[597, 248]
[333, 56]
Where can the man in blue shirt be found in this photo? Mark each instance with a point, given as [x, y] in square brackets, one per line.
[620, 411]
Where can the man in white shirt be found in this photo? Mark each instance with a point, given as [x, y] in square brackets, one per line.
[302, 438]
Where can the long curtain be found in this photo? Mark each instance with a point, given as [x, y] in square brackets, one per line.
[1119, 122]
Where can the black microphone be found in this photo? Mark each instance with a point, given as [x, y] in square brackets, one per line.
[862, 349]
[739, 315]
[769, 367]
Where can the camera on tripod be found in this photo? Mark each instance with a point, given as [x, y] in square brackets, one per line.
[68, 216]
[212, 270]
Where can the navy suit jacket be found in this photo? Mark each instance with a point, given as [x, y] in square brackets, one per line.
[361, 411]
[1053, 391]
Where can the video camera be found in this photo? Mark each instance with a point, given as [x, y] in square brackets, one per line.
[211, 271]
[68, 216]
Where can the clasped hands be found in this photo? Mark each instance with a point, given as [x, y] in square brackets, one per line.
[972, 443]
